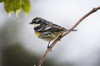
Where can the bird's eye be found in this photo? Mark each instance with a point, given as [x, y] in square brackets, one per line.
[37, 21]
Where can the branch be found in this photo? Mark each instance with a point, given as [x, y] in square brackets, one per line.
[67, 32]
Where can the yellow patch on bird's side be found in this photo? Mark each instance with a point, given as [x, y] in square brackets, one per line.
[37, 34]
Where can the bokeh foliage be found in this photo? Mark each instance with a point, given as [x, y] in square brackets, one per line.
[16, 5]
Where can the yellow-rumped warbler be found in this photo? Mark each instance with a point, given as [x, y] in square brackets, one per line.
[46, 30]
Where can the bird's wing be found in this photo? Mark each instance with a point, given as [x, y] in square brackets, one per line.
[54, 28]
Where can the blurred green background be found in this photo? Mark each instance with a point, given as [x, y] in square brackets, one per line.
[19, 45]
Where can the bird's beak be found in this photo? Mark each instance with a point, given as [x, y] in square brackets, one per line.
[30, 23]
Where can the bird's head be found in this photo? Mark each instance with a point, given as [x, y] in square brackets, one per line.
[36, 21]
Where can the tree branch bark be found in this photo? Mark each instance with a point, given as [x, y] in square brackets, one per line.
[67, 32]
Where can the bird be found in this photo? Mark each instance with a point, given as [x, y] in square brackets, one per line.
[47, 30]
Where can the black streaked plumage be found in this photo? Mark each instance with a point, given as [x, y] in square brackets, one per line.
[46, 30]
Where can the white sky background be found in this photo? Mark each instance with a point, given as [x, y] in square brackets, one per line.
[79, 47]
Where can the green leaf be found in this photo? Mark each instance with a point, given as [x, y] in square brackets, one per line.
[16, 6]
[26, 6]
[8, 6]
[1, 0]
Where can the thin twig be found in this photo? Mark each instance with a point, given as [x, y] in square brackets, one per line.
[67, 32]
